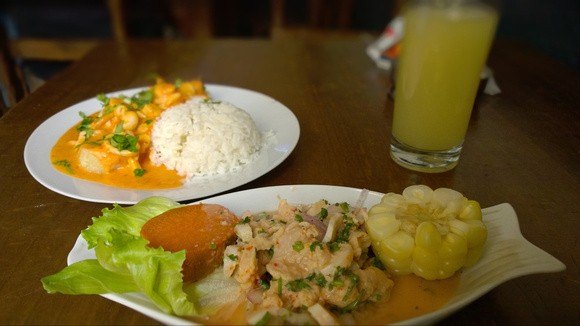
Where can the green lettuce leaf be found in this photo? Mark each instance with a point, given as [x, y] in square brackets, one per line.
[88, 277]
[125, 262]
[126, 219]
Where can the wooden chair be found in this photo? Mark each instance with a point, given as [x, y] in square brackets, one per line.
[14, 51]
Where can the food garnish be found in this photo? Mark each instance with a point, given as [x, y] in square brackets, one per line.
[282, 266]
[119, 135]
[430, 233]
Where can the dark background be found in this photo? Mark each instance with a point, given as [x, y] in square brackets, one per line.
[552, 27]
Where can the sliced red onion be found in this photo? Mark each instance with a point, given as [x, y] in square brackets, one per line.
[317, 223]
[254, 296]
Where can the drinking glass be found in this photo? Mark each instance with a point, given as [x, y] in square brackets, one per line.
[443, 52]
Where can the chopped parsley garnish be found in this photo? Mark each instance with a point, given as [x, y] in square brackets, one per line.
[85, 125]
[323, 213]
[298, 246]
[245, 220]
[297, 285]
[178, 82]
[210, 101]
[212, 246]
[264, 320]
[298, 218]
[124, 142]
[139, 172]
[64, 163]
[354, 279]
[149, 121]
[333, 246]
[103, 99]
[142, 98]
[264, 285]
[119, 128]
[345, 206]
[271, 252]
[344, 233]
[314, 245]
[233, 257]
[318, 279]
[279, 286]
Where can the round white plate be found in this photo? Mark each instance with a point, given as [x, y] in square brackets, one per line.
[268, 114]
[507, 253]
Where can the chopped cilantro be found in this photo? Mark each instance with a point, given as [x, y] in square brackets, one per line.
[271, 252]
[233, 257]
[124, 142]
[314, 245]
[297, 285]
[119, 128]
[85, 123]
[279, 286]
[64, 163]
[264, 320]
[323, 213]
[354, 279]
[178, 82]
[345, 207]
[103, 99]
[149, 121]
[212, 246]
[333, 246]
[344, 233]
[265, 285]
[139, 172]
[245, 220]
[142, 98]
[298, 246]
[318, 279]
[298, 218]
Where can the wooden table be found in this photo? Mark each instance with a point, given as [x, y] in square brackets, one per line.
[522, 147]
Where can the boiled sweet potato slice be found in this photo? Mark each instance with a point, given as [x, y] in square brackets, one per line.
[203, 230]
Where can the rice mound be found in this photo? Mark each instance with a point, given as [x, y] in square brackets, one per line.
[204, 138]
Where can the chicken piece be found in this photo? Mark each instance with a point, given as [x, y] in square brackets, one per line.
[292, 258]
[373, 284]
[341, 258]
[203, 230]
[247, 265]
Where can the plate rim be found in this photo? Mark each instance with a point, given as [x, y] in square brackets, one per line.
[428, 318]
[40, 177]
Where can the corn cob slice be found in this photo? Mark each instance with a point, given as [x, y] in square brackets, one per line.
[431, 233]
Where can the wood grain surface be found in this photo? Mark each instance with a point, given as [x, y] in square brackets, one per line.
[522, 147]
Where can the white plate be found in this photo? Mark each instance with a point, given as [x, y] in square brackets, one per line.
[268, 114]
[507, 253]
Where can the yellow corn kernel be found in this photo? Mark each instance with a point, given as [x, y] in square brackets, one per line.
[472, 211]
[426, 259]
[383, 226]
[399, 246]
[428, 237]
[429, 233]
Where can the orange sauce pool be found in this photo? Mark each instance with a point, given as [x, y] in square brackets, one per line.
[156, 177]
[410, 297]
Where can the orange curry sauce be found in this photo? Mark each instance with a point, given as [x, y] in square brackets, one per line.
[115, 141]
[156, 177]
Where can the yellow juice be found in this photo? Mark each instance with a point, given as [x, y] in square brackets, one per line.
[443, 53]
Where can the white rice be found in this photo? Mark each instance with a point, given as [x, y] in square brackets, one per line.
[204, 138]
